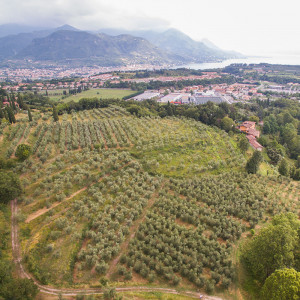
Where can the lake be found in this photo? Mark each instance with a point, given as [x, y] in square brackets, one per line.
[278, 59]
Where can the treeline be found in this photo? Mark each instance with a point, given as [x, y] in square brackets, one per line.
[8, 107]
[91, 103]
[11, 104]
[280, 133]
[85, 103]
[156, 85]
[281, 129]
[209, 113]
[279, 79]
[155, 73]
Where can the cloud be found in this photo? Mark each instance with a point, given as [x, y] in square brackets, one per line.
[89, 14]
[232, 24]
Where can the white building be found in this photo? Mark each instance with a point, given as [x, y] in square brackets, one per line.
[146, 96]
[173, 97]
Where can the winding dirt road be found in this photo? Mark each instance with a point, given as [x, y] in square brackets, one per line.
[73, 292]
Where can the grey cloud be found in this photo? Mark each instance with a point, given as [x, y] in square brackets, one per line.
[89, 14]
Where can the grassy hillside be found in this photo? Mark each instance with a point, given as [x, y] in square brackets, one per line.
[139, 201]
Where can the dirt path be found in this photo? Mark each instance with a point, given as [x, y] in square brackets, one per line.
[17, 257]
[132, 231]
[44, 210]
[53, 174]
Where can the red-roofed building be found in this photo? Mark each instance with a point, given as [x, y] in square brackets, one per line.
[254, 143]
[248, 127]
[253, 132]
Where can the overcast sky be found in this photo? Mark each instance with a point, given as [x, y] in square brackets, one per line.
[251, 27]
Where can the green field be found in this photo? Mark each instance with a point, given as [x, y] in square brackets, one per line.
[57, 95]
[100, 93]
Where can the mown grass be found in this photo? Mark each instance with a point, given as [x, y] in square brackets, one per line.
[100, 93]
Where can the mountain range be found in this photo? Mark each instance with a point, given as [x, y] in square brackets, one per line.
[107, 47]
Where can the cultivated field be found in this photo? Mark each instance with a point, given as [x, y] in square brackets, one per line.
[140, 201]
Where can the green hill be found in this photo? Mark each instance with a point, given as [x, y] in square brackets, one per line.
[159, 201]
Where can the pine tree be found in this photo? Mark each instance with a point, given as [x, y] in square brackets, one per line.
[12, 102]
[5, 114]
[1, 111]
[29, 115]
[10, 114]
[169, 109]
[20, 101]
[55, 114]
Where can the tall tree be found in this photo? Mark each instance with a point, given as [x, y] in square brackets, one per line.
[284, 167]
[282, 285]
[227, 124]
[20, 289]
[20, 101]
[273, 248]
[29, 115]
[253, 163]
[12, 101]
[55, 114]
[10, 114]
[10, 186]
[243, 144]
[1, 113]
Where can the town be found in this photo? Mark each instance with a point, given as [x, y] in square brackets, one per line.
[176, 89]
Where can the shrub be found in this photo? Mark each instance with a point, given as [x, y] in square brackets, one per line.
[23, 151]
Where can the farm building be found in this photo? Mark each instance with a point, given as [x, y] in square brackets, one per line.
[254, 143]
[172, 98]
[146, 96]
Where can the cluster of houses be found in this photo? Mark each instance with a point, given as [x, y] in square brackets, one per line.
[56, 72]
[248, 127]
[198, 94]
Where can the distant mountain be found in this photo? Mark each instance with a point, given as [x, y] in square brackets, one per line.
[181, 44]
[11, 45]
[175, 41]
[66, 27]
[111, 47]
[69, 45]
[210, 44]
